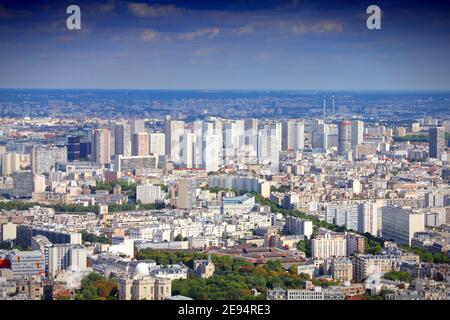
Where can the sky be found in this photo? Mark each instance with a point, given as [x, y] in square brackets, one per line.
[216, 44]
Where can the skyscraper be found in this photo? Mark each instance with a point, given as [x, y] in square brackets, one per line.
[123, 139]
[174, 140]
[369, 217]
[211, 153]
[137, 126]
[157, 144]
[189, 144]
[140, 144]
[73, 148]
[357, 133]
[437, 142]
[293, 135]
[345, 138]
[100, 146]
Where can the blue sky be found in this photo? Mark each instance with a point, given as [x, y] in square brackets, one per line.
[276, 45]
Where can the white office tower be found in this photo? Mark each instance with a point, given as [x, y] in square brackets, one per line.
[269, 146]
[251, 127]
[299, 135]
[210, 153]
[189, 147]
[137, 126]
[174, 140]
[343, 214]
[218, 130]
[293, 135]
[345, 138]
[112, 138]
[369, 217]
[123, 139]
[39, 183]
[100, 146]
[198, 131]
[357, 133]
[157, 144]
[234, 140]
[251, 138]
[400, 224]
[10, 162]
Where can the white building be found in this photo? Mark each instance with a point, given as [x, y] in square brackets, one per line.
[400, 224]
[369, 217]
[147, 193]
[210, 155]
[157, 144]
[329, 244]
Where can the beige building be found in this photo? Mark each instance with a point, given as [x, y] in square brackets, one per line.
[341, 269]
[8, 231]
[329, 244]
[366, 265]
[186, 194]
[140, 144]
[144, 287]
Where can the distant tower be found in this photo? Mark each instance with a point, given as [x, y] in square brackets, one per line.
[100, 146]
[344, 137]
[437, 142]
[324, 106]
[333, 110]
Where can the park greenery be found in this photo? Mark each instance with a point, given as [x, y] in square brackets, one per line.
[92, 238]
[282, 189]
[413, 138]
[427, 256]
[234, 278]
[305, 246]
[96, 287]
[398, 276]
[417, 138]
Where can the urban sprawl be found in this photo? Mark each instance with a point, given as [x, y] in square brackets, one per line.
[332, 205]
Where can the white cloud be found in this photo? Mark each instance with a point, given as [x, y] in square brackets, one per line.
[144, 10]
[318, 27]
[243, 30]
[206, 32]
[149, 35]
[204, 52]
